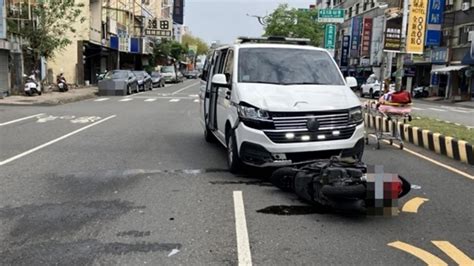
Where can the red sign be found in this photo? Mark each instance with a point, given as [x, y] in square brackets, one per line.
[366, 36]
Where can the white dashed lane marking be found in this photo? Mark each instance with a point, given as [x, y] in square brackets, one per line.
[174, 100]
[126, 100]
[150, 100]
[101, 99]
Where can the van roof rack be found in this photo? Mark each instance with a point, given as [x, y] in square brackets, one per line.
[274, 39]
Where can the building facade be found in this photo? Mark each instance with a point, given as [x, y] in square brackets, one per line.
[446, 65]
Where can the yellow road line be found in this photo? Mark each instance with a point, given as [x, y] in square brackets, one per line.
[413, 204]
[454, 253]
[452, 169]
[423, 255]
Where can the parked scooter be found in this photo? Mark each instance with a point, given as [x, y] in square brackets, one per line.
[343, 184]
[420, 92]
[62, 84]
[32, 86]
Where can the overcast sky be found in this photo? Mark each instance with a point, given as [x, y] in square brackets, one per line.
[225, 20]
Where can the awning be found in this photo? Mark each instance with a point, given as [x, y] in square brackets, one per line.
[447, 69]
[467, 59]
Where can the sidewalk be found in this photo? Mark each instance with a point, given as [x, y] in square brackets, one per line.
[437, 100]
[52, 98]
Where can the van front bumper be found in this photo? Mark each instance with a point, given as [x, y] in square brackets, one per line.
[255, 148]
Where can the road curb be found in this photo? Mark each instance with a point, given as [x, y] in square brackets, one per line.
[445, 145]
[53, 102]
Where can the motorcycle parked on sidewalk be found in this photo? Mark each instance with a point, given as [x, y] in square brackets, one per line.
[62, 84]
[420, 92]
[32, 86]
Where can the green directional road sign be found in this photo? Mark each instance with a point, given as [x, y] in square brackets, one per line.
[331, 15]
[330, 36]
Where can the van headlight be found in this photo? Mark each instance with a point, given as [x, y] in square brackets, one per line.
[252, 113]
[355, 115]
[254, 117]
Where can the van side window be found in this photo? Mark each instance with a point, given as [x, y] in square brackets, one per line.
[229, 66]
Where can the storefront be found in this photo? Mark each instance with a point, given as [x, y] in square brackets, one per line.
[456, 82]
[468, 59]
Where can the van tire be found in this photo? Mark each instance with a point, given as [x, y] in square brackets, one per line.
[233, 160]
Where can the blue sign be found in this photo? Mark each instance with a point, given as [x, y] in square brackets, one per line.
[135, 45]
[3, 24]
[345, 50]
[114, 42]
[439, 55]
[434, 21]
[434, 79]
[355, 38]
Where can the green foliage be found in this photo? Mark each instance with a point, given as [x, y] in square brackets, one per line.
[48, 31]
[190, 40]
[291, 22]
[169, 48]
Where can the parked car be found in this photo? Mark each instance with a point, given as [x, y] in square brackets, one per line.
[193, 74]
[279, 101]
[171, 75]
[157, 80]
[118, 82]
[372, 87]
[144, 80]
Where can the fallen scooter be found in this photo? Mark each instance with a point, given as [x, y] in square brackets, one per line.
[344, 184]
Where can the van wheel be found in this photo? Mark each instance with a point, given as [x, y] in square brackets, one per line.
[233, 161]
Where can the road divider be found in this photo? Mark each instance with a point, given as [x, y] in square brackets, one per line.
[16, 157]
[445, 145]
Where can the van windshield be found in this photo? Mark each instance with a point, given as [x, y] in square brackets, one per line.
[287, 66]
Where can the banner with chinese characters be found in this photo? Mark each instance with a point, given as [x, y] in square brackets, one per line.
[356, 22]
[434, 21]
[178, 12]
[416, 27]
[393, 36]
[3, 24]
[366, 36]
[345, 50]
[329, 36]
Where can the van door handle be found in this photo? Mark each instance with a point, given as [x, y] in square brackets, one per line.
[227, 95]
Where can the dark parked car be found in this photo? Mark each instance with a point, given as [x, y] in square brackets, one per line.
[193, 74]
[118, 82]
[157, 80]
[144, 80]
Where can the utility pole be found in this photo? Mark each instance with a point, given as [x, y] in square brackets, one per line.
[400, 56]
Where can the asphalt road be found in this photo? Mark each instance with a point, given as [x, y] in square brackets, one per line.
[132, 182]
[444, 112]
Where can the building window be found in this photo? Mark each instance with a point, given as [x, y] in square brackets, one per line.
[350, 12]
[366, 4]
[357, 9]
[464, 34]
[372, 4]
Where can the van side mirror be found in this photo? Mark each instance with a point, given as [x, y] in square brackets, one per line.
[220, 80]
[351, 82]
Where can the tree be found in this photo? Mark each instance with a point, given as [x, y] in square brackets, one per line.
[165, 49]
[190, 40]
[291, 22]
[49, 27]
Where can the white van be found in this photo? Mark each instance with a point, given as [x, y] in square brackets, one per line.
[277, 102]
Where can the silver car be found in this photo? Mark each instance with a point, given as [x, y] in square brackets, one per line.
[118, 82]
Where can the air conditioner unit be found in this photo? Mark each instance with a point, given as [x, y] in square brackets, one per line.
[465, 6]
[471, 36]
